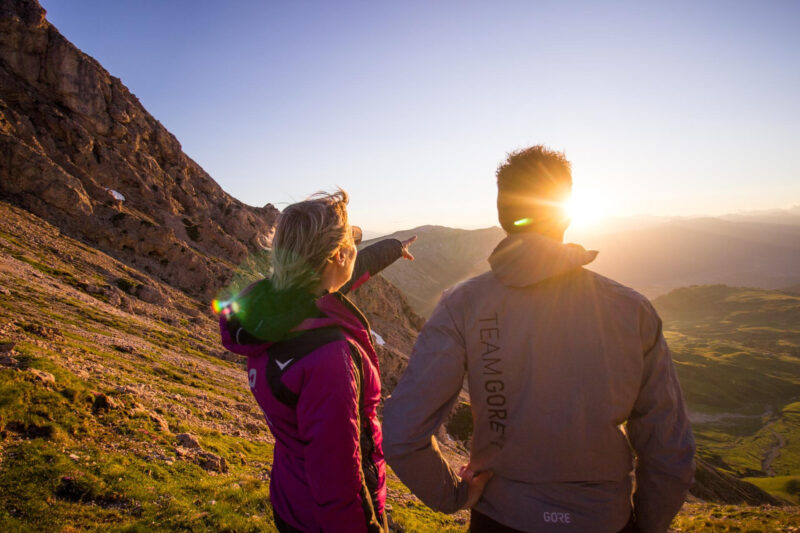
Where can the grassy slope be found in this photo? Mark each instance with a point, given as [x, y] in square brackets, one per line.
[66, 465]
[95, 448]
[66, 460]
[738, 355]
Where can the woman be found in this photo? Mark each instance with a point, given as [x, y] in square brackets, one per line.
[314, 371]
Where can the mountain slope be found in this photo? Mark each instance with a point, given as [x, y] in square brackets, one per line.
[737, 352]
[119, 407]
[443, 257]
[113, 409]
[69, 132]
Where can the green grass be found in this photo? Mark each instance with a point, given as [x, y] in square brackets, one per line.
[736, 353]
[124, 484]
[708, 518]
[415, 516]
[786, 487]
[44, 489]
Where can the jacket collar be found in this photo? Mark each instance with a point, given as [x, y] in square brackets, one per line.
[525, 259]
[336, 310]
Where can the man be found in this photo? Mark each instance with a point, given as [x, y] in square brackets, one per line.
[569, 377]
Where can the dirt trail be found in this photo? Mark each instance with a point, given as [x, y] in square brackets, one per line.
[772, 454]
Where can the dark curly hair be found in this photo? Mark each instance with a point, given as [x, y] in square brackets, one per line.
[532, 186]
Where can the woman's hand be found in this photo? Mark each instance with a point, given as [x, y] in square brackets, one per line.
[406, 243]
[476, 483]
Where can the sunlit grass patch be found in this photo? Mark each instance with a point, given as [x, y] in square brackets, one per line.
[711, 518]
[785, 487]
[414, 516]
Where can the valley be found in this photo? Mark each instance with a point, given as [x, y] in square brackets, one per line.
[737, 352]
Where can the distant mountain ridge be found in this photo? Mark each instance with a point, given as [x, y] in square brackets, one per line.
[699, 251]
[769, 216]
[653, 259]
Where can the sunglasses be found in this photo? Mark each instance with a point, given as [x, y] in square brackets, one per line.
[357, 235]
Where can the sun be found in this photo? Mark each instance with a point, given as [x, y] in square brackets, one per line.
[586, 210]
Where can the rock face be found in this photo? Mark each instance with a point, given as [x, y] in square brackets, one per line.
[70, 134]
[390, 317]
[78, 150]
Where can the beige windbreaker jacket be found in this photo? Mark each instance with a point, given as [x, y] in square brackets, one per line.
[562, 364]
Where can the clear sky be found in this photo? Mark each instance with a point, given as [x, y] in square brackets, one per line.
[664, 108]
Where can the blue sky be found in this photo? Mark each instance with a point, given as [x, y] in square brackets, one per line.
[664, 108]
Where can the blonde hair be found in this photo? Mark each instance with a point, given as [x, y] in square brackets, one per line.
[308, 235]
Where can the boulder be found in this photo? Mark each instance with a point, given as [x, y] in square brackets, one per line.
[113, 296]
[151, 295]
[212, 462]
[91, 288]
[7, 360]
[161, 424]
[42, 377]
[103, 402]
[187, 440]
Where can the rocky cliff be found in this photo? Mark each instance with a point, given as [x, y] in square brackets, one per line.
[73, 140]
[72, 135]
[395, 324]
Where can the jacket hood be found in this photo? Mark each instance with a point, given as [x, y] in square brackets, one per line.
[525, 259]
[269, 314]
[262, 315]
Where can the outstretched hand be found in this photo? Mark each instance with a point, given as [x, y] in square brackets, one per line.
[406, 243]
[476, 483]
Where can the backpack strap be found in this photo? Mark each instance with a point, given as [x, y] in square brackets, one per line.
[366, 446]
[238, 334]
[283, 355]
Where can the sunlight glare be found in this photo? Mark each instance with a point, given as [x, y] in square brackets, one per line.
[586, 210]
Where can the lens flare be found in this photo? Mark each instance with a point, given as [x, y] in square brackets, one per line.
[221, 306]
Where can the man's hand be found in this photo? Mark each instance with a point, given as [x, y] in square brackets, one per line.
[476, 483]
[406, 243]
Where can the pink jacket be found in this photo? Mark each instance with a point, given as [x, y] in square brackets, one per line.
[328, 472]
